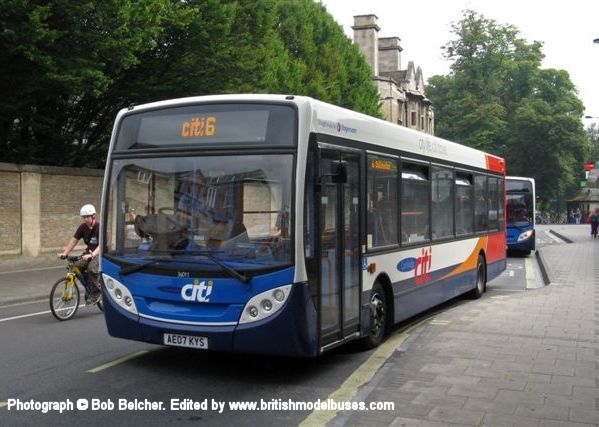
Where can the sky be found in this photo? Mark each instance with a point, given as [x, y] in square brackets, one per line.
[566, 28]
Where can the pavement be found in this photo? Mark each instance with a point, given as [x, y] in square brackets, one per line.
[525, 358]
[42, 273]
[518, 359]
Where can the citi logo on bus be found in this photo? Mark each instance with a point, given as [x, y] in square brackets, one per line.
[198, 291]
[420, 265]
[199, 126]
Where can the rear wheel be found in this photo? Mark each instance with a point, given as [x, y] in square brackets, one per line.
[64, 299]
[481, 279]
[378, 318]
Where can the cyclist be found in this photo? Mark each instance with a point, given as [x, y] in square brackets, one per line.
[89, 232]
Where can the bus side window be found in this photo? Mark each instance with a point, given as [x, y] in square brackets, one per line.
[481, 212]
[382, 201]
[493, 203]
[464, 205]
[443, 201]
[415, 203]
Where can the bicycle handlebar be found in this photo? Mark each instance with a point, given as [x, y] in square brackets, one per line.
[71, 258]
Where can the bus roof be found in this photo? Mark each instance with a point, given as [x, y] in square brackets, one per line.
[336, 121]
[520, 178]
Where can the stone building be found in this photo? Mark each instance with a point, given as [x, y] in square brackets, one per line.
[401, 91]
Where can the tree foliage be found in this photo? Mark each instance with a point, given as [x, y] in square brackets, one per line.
[593, 135]
[498, 98]
[68, 66]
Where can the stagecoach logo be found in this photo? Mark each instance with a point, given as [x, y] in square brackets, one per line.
[338, 126]
[199, 291]
[406, 264]
[420, 265]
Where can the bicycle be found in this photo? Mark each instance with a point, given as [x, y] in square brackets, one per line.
[65, 294]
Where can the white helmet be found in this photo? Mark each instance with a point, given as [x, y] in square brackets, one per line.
[87, 210]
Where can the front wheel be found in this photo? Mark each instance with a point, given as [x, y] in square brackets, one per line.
[378, 318]
[64, 299]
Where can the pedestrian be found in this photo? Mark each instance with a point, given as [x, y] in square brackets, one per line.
[594, 219]
[577, 216]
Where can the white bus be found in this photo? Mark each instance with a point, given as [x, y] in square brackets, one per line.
[284, 225]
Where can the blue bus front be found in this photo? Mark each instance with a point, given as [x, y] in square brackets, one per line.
[520, 215]
[197, 245]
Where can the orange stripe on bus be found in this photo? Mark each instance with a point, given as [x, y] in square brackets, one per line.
[470, 263]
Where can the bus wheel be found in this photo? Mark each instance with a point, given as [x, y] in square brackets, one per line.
[378, 318]
[481, 279]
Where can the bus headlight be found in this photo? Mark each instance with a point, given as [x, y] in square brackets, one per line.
[265, 304]
[526, 235]
[120, 294]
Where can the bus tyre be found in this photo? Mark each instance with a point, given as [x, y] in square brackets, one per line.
[481, 279]
[378, 318]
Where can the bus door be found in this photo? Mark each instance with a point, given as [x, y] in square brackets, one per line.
[339, 243]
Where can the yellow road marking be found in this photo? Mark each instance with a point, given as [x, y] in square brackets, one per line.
[439, 322]
[117, 362]
[349, 389]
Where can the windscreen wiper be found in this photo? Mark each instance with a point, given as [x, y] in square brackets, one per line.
[232, 272]
[136, 267]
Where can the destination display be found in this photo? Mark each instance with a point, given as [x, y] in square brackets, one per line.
[219, 124]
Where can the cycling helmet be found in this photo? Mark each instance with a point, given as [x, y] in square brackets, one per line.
[87, 210]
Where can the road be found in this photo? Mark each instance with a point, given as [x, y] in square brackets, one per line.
[46, 360]
[49, 361]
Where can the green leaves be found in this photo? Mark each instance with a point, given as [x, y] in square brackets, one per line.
[498, 99]
[68, 66]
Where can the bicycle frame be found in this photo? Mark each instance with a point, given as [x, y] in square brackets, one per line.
[75, 272]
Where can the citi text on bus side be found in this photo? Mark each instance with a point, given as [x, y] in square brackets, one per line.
[284, 225]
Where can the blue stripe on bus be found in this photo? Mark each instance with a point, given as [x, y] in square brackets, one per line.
[290, 332]
[410, 300]
[160, 297]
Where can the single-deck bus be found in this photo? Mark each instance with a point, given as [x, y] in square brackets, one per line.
[520, 207]
[284, 225]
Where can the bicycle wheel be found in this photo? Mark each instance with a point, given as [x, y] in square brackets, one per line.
[64, 299]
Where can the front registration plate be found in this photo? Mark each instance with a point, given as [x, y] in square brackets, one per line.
[186, 341]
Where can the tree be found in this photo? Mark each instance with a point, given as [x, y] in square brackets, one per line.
[54, 57]
[497, 98]
[68, 66]
[324, 63]
[593, 135]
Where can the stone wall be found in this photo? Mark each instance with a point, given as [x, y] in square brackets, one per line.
[39, 206]
[10, 211]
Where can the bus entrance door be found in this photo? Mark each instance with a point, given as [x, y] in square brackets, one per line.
[339, 226]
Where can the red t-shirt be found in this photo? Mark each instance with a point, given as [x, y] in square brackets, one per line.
[91, 236]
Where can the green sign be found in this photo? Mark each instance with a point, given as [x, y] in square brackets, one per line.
[583, 184]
